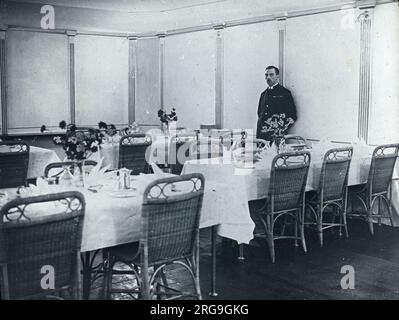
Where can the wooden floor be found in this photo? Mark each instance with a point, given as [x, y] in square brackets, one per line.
[295, 275]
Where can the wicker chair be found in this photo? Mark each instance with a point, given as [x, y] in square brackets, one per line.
[132, 152]
[294, 142]
[179, 151]
[14, 162]
[88, 164]
[377, 189]
[331, 193]
[169, 235]
[254, 144]
[29, 242]
[234, 138]
[286, 197]
[206, 148]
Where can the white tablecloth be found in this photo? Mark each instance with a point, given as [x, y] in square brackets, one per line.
[238, 186]
[111, 220]
[157, 153]
[39, 158]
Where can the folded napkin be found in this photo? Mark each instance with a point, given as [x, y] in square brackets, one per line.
[97, 174]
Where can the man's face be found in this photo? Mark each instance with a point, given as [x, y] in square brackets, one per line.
[271, 77]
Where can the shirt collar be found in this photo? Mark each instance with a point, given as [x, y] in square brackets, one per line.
[272, 87]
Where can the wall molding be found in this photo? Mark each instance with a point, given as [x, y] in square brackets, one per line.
[281, 22]
[161, 37]
[132, 79]
[72, 92]
[219, 77]
[366, 19]
[3, 82]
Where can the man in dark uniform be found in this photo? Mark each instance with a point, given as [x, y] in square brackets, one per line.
[276, 109]
[276, 114]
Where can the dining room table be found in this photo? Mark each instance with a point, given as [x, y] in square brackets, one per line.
[113, 216]
[244, 181]
[39, 158]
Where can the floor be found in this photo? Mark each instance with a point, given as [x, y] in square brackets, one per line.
[296, 275]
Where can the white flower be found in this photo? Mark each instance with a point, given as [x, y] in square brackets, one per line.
[94, 144]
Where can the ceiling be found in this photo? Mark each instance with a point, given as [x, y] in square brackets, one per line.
[147, 6]
[154, 16]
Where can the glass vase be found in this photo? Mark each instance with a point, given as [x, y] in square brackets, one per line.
[66, 177]
[79, 174]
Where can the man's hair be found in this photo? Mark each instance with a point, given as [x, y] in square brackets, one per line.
[275, 69]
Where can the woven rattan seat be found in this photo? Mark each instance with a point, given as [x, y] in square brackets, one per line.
[30, 241]
[179, 151]
[377, 191]
[331, 195]
[132, 152]
[169, 235]
[14, 162]
[286, 198]
[48, 171]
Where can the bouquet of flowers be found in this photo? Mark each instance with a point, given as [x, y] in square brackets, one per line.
[167, 117]
[132, 128]
[79, 144]
[109, 129]
[277, 125]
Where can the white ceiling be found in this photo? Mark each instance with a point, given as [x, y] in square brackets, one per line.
[149, 16]
[147, 6]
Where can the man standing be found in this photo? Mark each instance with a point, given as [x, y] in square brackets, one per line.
[276, 114]
[276, 109]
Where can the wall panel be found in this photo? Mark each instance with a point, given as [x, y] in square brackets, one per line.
[322, 72]
[248, 49]
[102, 70]
[384, 118]
[148, 99]
[37, 80]
[189, 77]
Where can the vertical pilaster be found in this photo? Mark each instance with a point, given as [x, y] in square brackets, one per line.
[365, 19]
[132, 79]
[71, 53]
[3, 82]
[219, 75]
[161, 37]
[281, 22]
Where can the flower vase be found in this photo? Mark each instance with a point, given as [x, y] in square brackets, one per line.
[66, 177]
[165, 128]
[79, 174]
[172, 128]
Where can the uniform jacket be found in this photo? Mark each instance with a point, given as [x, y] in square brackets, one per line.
[276, 112]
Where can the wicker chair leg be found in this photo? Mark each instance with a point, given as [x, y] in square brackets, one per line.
[296, 227]
[107, 280]
[390, 213]
[270, 238]
[270, 242]
[145, 292]
[320, 225]
[370, 221]
[302, 230]
[345, 224]
[197, 285]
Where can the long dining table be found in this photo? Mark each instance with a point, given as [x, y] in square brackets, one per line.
[113, 217]
[243, 184]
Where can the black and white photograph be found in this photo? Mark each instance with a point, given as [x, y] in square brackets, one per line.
[218, 150]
